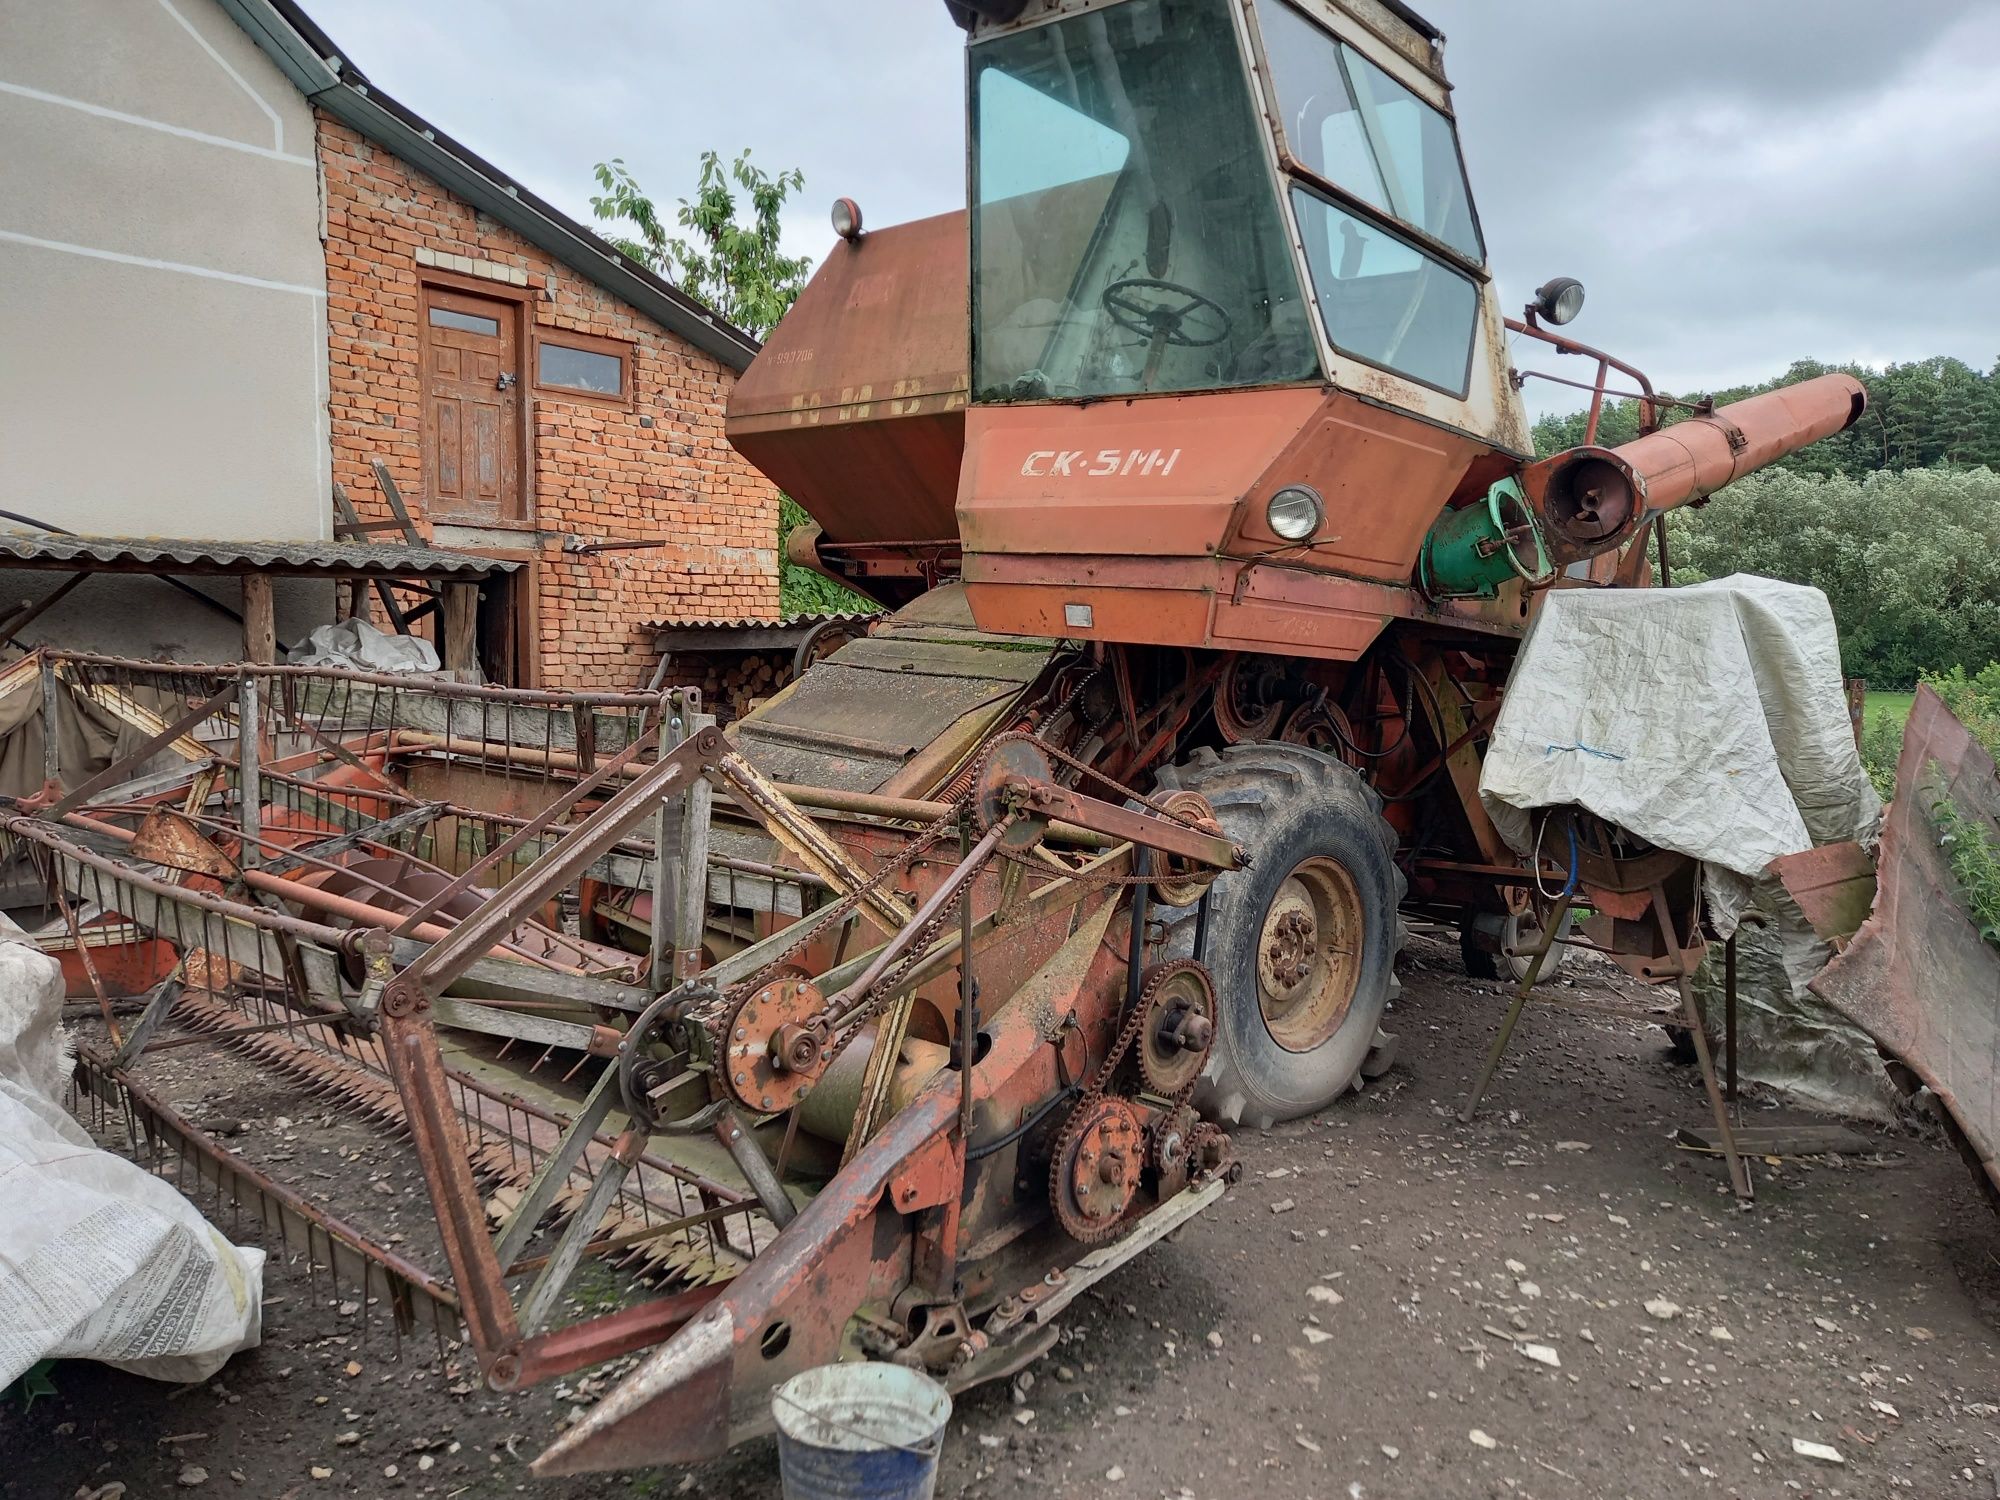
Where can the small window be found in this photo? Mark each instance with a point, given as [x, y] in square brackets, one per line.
[1384, 300]
[445, 317]
[596, 367]
[1351, 124]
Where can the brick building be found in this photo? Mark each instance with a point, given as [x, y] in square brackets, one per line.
[367, 290]
[613, 432]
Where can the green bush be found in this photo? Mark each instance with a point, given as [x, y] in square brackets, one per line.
[1975, 864]
[1974, 700]
[1881, 748]
[1910, 562]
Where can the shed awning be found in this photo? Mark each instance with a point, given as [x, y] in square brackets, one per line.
[182, 555]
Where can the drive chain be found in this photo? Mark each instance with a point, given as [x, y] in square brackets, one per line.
[1093, 1091]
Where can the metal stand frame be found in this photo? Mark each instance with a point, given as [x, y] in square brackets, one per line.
[1739, 1172]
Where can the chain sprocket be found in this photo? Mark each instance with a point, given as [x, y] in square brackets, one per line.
[1177, 1002]
[776, 1044]
[1180, 881]
[1094, 1176]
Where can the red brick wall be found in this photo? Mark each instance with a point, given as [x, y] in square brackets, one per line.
[596, 472]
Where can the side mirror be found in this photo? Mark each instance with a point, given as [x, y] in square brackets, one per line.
[1558, 301]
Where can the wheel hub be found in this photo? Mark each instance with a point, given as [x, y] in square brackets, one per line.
[1294, 936]
[1309, 954]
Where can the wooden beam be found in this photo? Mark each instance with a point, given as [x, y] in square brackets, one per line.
[460, 643]
[20, 618]
[260, 620]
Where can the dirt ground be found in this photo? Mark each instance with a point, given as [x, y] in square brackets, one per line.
[1552, 1302]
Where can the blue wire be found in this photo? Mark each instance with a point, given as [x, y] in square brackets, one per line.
[1569, 887]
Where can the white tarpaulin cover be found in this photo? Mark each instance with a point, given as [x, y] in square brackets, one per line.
[99, 1259]
[1711, 720]
[358, 646]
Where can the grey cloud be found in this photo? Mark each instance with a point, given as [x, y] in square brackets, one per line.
[1739, 182]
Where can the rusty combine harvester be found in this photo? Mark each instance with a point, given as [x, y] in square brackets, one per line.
[924, 997]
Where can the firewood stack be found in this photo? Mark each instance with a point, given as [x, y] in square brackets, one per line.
[731, 682]
[742, 681]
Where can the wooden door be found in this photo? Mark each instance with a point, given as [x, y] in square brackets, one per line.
[472, 407]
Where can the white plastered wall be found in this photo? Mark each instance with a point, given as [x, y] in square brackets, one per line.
[162, 302]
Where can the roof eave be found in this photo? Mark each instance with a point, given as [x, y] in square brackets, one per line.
[294, 44]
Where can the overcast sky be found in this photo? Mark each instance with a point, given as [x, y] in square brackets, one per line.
[1739, 183]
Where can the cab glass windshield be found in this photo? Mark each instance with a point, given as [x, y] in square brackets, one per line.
[1126, 234]
[1384, 296]
[1350, 123]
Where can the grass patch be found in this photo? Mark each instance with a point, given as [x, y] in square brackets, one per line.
[1888, 708]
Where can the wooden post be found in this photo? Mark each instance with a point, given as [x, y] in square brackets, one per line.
[260, 621]
[692, 918]
[460, 647]
[666, 908]
[51, 731]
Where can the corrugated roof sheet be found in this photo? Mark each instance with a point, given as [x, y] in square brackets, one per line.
[157, 554]
[790, 622]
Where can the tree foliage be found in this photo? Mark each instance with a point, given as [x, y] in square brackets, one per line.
[731, 265]
[1921, 415]
[738, 269]
[1909, 561]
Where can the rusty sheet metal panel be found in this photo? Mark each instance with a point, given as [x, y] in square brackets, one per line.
[857, 718]
[1834, 886]
[1918, 977]
[856, 406]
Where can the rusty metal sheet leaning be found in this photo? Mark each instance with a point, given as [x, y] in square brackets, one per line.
[1918, 977]
[1834, 885]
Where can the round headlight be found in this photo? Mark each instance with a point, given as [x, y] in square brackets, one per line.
[847, 218]
[1294, 513]
[1560, 300]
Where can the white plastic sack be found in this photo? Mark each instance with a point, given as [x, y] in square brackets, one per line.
[99, 1259]
[358, 646]
[1710, 720]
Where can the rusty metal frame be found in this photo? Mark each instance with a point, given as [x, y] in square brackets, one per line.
[401, 1009]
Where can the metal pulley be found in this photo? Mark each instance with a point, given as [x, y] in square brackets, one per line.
[1000, 787]
[777, 1045]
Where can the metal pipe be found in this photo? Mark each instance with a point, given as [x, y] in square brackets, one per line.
[358, 912]
[37, 832]
[968, 1012]
[430, 687]
[1593, 500]
[819, 799]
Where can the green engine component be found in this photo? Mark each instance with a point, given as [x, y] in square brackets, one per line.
[1471, 552]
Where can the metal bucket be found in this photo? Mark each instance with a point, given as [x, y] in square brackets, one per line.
[860, 1431]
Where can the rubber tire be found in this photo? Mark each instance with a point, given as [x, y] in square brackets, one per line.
[1286, 804]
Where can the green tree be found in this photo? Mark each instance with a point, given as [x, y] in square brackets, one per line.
[732, 265]
[1909, 561]
[1922, 414]
[737, 268]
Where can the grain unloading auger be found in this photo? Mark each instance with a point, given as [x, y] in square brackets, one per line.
[1210, 542]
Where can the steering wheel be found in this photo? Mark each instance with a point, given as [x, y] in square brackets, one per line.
[1152, 319]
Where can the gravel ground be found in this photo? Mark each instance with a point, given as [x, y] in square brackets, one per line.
[1552, 1302]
